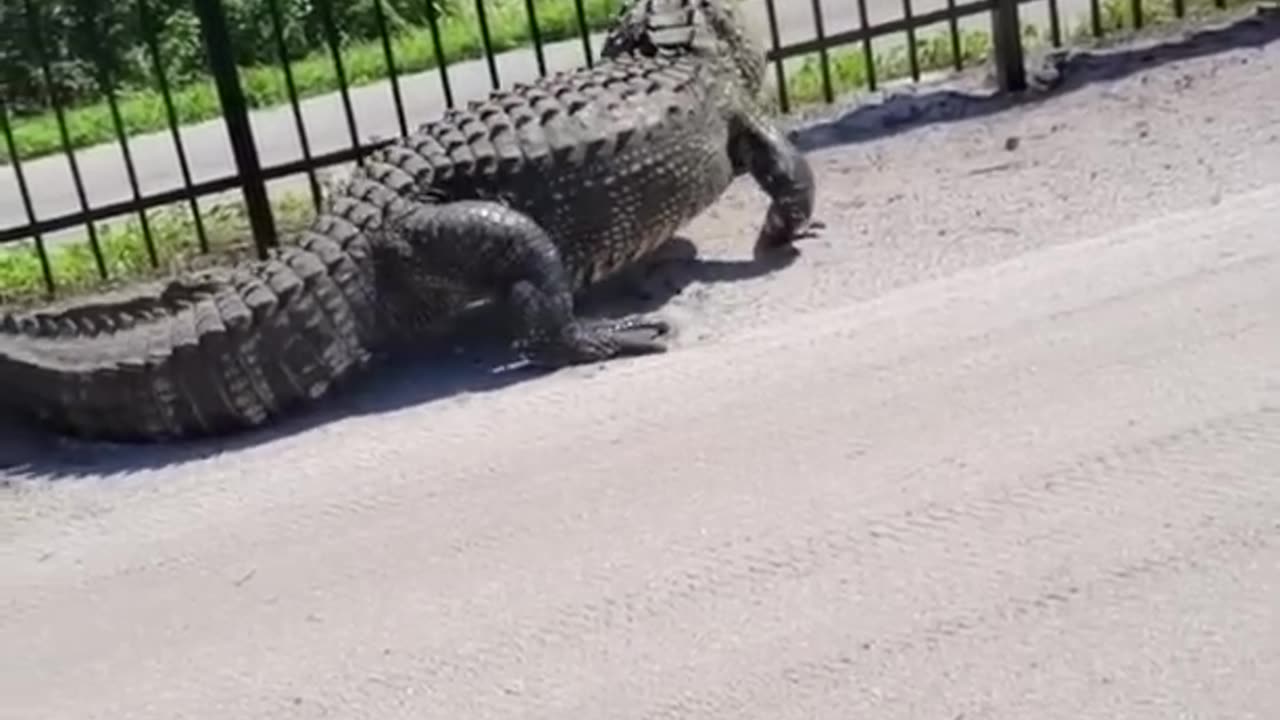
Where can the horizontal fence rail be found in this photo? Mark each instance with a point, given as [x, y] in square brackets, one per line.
[82, 76]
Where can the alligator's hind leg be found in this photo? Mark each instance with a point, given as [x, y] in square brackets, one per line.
[489, 247]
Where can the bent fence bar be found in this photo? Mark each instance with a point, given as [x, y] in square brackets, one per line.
[249, 176]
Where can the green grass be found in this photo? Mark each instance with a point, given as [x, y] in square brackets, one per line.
[75, 269]
[143, 110]
[934, 52]
[74, 266]
[849, 72]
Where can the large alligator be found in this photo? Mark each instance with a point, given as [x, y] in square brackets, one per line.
[526, 197]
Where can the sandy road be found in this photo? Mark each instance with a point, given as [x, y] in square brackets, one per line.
[952, 463]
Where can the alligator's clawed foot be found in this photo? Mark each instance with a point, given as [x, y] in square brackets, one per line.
[810, 229]
[777, 233]
[590, 341]
[779, 250]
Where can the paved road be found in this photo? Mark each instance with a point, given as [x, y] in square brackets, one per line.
[956, 462]
[210, 155]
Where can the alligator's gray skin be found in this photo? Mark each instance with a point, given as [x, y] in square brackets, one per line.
[526, 198]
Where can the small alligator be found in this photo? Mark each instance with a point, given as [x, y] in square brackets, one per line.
[524, 198]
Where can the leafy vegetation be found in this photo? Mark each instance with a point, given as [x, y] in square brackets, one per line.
[80, 37]
[76, 36]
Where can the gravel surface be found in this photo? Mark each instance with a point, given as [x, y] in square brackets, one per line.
[1002, 444]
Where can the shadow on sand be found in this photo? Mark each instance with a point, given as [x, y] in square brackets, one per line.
[475, 359]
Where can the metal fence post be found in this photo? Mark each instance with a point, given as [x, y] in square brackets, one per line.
[217, 40]
[1006, 40]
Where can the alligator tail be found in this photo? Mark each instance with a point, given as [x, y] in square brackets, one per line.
[203, 354]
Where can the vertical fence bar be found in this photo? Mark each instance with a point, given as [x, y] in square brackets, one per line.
[913, 51]
[34, 24]
[147, 26]
[953, 23]
[339, 68]
[487, 40]
[380, 17]
[536, 34]
[433, 24]
[1006, 37]
[868, 51]
[780, 73]
[25, 193]
[1055, 24]
[217, 40]
[286, 65]
[1095, 17]
[1136, 6]
[89, 10]
[585, 30]
[819, 29]
[1179, 8]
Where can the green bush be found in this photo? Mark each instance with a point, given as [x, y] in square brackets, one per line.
[76, 35]
[36, 129]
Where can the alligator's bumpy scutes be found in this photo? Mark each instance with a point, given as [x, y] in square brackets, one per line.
[526, 197]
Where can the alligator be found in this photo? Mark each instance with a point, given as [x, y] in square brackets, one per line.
[521, 199]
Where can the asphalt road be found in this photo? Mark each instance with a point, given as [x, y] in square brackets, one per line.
[1002, 444]
[209, 154]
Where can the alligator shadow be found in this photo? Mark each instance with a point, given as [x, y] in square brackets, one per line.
[475, 359]
[1054, 74]
[472, 358]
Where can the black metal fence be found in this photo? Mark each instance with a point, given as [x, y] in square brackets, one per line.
[797, 31]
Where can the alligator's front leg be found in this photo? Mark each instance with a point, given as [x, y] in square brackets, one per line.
[783, 172]
[492, 248]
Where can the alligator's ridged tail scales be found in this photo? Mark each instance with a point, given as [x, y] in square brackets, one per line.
[524, 198]
[222, 350]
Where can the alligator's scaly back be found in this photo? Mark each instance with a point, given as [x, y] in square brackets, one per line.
[523, 197]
